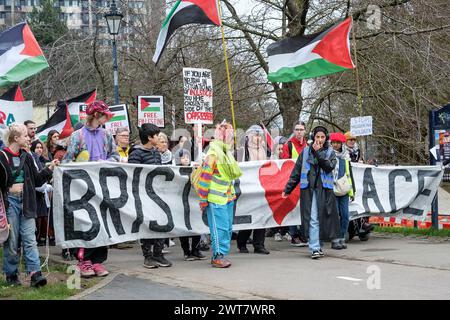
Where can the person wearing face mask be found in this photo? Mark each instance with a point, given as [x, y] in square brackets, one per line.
[314, 172]
[255, 149]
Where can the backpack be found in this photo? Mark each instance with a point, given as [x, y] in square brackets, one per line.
[4, 226]
[195, 177]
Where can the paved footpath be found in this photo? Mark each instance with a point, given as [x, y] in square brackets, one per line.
[408, 268]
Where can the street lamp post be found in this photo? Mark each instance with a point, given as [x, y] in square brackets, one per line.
[113, 20]
[48, 91]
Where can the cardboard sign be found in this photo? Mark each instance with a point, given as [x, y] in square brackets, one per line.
[151, 110]
[119, 120]
[361, 126]
[15, 111]
[198, 96]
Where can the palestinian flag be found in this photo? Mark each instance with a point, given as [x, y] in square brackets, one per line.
[20, 55]
[186, 12]
[150, 104]
[74, 104]
[311, 56]
[13, 94]
[59, 121]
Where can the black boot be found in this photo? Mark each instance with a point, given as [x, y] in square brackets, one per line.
[38, 280]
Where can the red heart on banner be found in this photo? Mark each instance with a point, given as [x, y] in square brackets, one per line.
[273, 180]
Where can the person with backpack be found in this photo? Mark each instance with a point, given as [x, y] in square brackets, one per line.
[147, 153]
[314, 172]
[93, 143]
[215, 188]
[342, 172]
[255, 149]
[291, 150]
[22, 178]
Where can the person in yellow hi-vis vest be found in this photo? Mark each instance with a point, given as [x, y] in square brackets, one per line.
[343, 167]
[216, 192]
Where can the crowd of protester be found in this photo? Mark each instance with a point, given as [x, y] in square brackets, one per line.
[321, 160]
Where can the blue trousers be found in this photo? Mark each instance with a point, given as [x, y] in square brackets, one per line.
[342, 206]
[220, 220]
[25, 228]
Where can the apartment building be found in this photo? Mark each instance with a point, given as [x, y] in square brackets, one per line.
[80, 15]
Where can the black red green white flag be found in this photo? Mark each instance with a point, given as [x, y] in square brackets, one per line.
[186, 12]
[311, 56]
[20, 55]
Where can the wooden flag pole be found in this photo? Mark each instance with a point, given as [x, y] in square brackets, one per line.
[230, 90]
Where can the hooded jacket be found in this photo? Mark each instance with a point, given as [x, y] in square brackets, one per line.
[142, 155]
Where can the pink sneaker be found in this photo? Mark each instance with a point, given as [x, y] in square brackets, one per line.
[100, 270]
[85, 268]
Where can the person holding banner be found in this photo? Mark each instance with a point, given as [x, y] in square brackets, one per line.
[254, 150]
[93, 143]
[23, 178]
[314, 171]
[216, 192]
[291, 150]
[191, 253]
[147, 153]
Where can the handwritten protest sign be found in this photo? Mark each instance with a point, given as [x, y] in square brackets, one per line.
[198, 96]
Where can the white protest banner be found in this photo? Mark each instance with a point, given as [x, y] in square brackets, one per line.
[119, 120]
[198, 96]
[151, 110]
[15, 111]
[98, 204]
[361, 126]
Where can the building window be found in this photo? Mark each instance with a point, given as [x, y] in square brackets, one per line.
[2, 2]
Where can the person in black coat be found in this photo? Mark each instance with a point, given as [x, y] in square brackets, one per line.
[314, 171]
[43, 216]
[147, 153]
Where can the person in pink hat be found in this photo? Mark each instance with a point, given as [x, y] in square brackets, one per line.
[93, 143]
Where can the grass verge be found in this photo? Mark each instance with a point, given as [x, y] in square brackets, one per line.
[412, 231]
[56, 288]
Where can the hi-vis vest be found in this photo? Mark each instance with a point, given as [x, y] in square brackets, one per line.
[327, 178]
[218, 188]
[294, 153]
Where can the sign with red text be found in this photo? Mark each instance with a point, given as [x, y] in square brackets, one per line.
[119, 120]
[151, 110]
[15, 111]
[198, 96]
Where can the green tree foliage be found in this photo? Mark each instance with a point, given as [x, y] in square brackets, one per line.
[46, 24]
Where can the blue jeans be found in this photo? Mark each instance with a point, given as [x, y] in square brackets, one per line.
[220, 220]
[314, 227]
[342, 206]
[25, 228]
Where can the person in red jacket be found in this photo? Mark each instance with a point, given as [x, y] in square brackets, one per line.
[291, 150]
[296, 143]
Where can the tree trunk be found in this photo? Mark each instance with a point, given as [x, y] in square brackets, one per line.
[290, 102]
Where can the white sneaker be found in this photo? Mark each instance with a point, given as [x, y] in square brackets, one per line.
[287, 237]
[171, 243]
[277, 237]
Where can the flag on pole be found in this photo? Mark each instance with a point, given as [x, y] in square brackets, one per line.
[20, 55]
[13, 94]
[59, 121]
[311, 56]
[73, 104]
[269, 139]
[186, 12]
